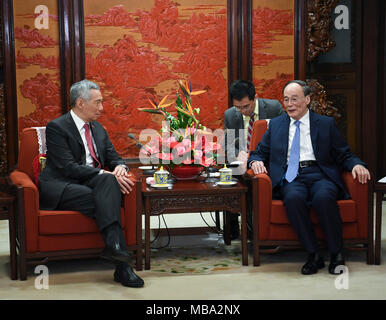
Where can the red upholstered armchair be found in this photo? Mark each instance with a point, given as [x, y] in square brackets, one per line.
[271, 227]
[44, 235]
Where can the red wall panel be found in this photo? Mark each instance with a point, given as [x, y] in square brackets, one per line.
[272, 46]
[139, 52]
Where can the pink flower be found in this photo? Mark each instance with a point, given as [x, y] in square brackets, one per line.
[180, 150]
[186, 142]
[211, 146]
[197, 154]
[165, 156]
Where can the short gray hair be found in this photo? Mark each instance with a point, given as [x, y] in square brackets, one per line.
[82, 89]
[306, 89]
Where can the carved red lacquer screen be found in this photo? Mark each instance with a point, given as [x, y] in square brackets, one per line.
[37, 62]
[272, 46]
[137, 50]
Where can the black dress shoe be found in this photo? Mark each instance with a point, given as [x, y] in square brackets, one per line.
[126, 276]
[313, 264]
[115, 253]
[335, 261]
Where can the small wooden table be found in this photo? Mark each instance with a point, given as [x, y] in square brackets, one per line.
[7, 212]
[194, 196]
[380, 190]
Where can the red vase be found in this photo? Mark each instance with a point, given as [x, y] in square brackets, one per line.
[186, 172]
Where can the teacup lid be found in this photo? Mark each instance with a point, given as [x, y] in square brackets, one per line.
[161, 170]
[225, 169]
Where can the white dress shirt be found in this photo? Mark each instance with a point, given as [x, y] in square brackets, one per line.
[80, 125]
[306, 150]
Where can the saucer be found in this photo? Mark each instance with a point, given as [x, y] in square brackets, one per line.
[211, 174]
[226, 184]
[145, 167]
[162, 186]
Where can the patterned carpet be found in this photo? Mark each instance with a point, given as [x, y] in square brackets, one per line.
[196, 260]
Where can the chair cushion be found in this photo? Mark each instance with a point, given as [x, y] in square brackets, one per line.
[347, 211]
[67, 222]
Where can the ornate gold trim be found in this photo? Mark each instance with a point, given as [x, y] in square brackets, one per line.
[3, 135]
[319, 100]
[318, 27]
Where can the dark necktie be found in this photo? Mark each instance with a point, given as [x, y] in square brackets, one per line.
[90, 145]
[250, 129]
[293, 162]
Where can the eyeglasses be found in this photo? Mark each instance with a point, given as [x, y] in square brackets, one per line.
[246, 107]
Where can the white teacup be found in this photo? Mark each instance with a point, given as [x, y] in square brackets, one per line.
[161, 176]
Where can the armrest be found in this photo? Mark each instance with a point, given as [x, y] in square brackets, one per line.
[28, 209]
[354, 187]
[249, 173]
[131, 204]
[263, 185]
[261, 203]
[31, 192]
[358, 193]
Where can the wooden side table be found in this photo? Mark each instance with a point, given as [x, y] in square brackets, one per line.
[194, 196]
[7, 212]
[380, 190]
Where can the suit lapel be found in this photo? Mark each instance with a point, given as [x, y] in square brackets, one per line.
[284, 132]
[238, 119]
[262, 109]
[95, 131]
[73, 129]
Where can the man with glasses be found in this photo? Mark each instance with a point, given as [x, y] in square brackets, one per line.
[238, 121]
[306, 152]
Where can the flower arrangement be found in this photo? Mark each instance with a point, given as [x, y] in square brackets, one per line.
[182, 140]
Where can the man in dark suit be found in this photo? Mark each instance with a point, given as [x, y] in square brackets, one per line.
[305, 152]
[238, 120]
[78, 150]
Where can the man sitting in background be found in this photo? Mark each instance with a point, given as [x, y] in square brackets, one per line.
[247, 108]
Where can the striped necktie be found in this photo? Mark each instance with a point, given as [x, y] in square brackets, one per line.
[90, 145]
[250, 128]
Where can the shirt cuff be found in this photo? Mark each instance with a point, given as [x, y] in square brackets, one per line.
[125, 166]
[250, 164]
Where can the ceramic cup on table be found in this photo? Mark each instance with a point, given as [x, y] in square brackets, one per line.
[225, 175]
[161, 176]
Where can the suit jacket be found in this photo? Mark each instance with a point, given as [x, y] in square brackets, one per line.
[331, 151]
[233, 119]
[66, 158]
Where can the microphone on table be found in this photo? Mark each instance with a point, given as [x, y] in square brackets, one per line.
[140, 146]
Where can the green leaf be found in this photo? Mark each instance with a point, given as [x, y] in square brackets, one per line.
[150, 110]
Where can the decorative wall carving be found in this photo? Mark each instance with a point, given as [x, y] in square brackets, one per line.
[1, 49]
[3, 132]
[318, 27]
[319, 100]
[3, 135]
